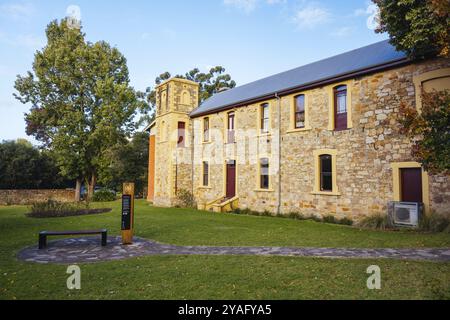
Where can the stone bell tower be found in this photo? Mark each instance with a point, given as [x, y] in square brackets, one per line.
[175, 99]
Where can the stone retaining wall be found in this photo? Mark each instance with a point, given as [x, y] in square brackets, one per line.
[25, 197]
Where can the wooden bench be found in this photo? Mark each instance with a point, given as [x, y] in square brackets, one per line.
[44, 234]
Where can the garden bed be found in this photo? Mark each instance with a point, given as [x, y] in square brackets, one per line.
[55, 209]
[82, 212]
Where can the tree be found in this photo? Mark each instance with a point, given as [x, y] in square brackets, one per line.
[429, 131]
[82, 103]
[23, 166]
[128, 163]
[419, 28]
[210, 83]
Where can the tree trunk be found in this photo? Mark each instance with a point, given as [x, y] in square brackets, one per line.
[91, 188]
[78, 191]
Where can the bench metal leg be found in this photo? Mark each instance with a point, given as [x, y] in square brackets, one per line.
[42, 241]
[104, 238]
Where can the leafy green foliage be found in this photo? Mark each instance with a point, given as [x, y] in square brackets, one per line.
[210, 83]
[56, 209]
[128, 162]
[378, 221]
[429, 130]
[104, 195]
[82, 102]
[24, 167]
[185, 199]
[420, 28]
[434, 222]
[296, 216]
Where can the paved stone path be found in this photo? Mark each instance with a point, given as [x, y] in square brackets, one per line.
[88, 249]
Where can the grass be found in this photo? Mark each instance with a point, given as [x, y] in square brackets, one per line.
[220, 277]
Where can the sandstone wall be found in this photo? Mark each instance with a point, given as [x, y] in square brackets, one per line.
[364, 153]
[173, 164]
[25, 197]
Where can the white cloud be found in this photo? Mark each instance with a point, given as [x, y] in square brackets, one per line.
[17, 11]
[311, 16]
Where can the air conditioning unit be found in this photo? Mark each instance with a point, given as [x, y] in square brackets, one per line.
[405, 213]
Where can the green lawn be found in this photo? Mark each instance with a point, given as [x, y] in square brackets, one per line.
[220, 277]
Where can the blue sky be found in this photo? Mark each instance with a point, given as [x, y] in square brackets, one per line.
[250, 38]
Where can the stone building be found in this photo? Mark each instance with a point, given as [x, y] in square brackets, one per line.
[319, 139]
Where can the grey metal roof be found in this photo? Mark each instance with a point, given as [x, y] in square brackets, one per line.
[378, 54]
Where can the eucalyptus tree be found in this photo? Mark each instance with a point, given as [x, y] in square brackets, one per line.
[81, 100]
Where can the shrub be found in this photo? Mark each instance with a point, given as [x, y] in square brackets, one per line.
[434, 222]
[246, 211]
[330, 219]
[345, 221]
[54, 209]
[295, 215]
[104, 195]
[377, 221]
[185, 199]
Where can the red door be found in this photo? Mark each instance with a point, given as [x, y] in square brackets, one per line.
[231, 179]
[411, 184]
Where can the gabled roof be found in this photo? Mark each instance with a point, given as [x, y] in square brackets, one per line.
[381, 55]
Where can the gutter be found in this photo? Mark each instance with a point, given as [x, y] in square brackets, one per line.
[311, 85]
[279, 154]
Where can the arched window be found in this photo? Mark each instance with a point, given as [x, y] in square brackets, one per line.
[299, 116]
[265, 120]
[206, 129]
[340, 107]
[205, 173]
[325, 172]
[185, 97]
[231, 128]
[436, 80]
[164, 101]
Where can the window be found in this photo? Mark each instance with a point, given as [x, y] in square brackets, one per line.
[265, 118]
[181, 134]
[230, 128]
[299, 116]
[340, 107]
[264, 173]
[206, 130]
[185, 98]
[438, 80]
[326, 173]
[205, 173]
[164, 101]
